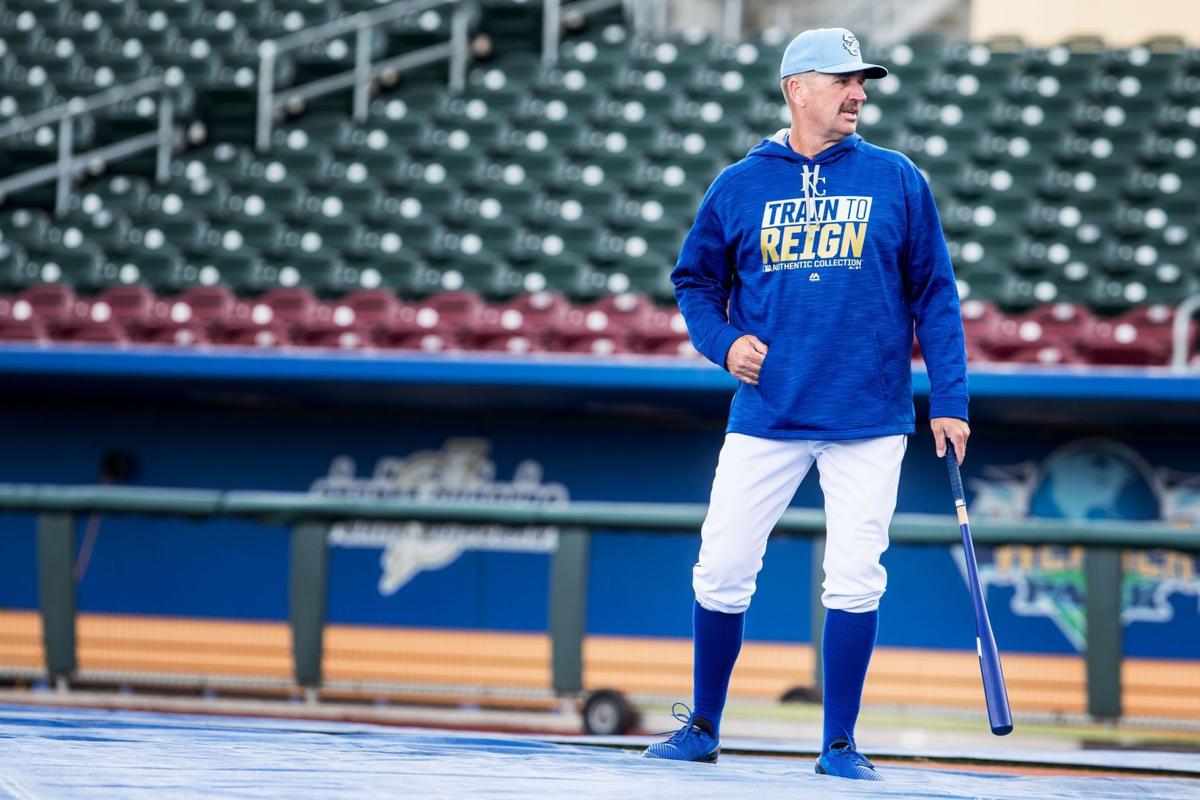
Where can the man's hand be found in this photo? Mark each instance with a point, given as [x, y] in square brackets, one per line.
[953, 428]
[745, 359]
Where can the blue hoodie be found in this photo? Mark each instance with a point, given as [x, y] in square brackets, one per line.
[830, 261]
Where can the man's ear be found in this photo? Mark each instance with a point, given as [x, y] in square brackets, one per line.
[793, 90]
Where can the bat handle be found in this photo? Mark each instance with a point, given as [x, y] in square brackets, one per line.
[956, 485]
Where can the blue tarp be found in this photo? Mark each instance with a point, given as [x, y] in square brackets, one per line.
[70, 753]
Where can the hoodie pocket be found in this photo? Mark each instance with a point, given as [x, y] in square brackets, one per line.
[833, 384]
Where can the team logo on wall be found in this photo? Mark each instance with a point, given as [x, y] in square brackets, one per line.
[461, 471]
[1091, 479]
[816, 231]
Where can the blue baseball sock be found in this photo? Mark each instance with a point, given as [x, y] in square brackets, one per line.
[717, 639]
[846, 651]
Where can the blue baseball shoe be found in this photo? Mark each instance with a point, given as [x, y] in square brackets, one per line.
[843, 761]
[692, 742]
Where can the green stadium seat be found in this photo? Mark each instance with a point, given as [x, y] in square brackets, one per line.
[241, 271]
[14, 274]
[487, 276]
[345, 235]
[417, 30]
[161, 269]
[677, 171]
[18, 100]
[510, 24]
[81, 267]
[153, 33]
[555, 105]
[494, 201]
[404, 272]
[380, 166]
[25, 226]
[306, 165]
[577, 280]
[185, 229]
[103, 227]
[202, 197]
[418, 202]
[86, 32]
[459, 133]
[221, 31]
[256, 199]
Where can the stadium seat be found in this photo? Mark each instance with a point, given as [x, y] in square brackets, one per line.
[1140, 336]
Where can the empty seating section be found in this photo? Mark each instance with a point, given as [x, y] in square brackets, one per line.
[542, 208]
[1067, 185]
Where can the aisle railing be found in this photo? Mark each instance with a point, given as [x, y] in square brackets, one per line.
[69, 163]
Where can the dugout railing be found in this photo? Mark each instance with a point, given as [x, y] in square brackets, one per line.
[310, 517]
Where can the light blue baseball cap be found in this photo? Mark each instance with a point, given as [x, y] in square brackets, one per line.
[831, 50]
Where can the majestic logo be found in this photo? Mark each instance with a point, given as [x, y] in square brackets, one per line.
[1088, 479]
[851, 44]
[814, 231]
[460, 471]
[814, 277]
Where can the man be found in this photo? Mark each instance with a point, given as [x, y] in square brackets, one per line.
[804, 274]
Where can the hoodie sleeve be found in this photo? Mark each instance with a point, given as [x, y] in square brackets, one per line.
[933, 298]
[703, 278]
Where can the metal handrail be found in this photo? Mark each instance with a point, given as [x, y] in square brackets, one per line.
[365, 71]
[1179, 331]
[69, 162]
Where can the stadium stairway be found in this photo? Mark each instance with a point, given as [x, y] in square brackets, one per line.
[542, 208]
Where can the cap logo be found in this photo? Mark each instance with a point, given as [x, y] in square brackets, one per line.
[851, 44]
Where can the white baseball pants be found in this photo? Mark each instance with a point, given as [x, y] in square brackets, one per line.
[756, 480]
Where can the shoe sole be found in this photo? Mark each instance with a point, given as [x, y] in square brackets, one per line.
[821, 771]
[711, 758]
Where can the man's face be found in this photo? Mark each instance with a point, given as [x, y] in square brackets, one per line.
[832, 103]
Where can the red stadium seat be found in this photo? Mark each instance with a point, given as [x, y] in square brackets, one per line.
[293, 307]
[1140, 336]
[53, 302]
[374, 308]
[979, 319]
[459, 313]
[661, 332]
[136, 308]
[538, 314]
[514, 343]
[625, 312]
[13, 329]
[90, 330]
[206, 305]
[251, 336]
[1057, 329]
[1045, 354]
[597, 344]
[347, 337]
[242, 324]
[174, 334]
